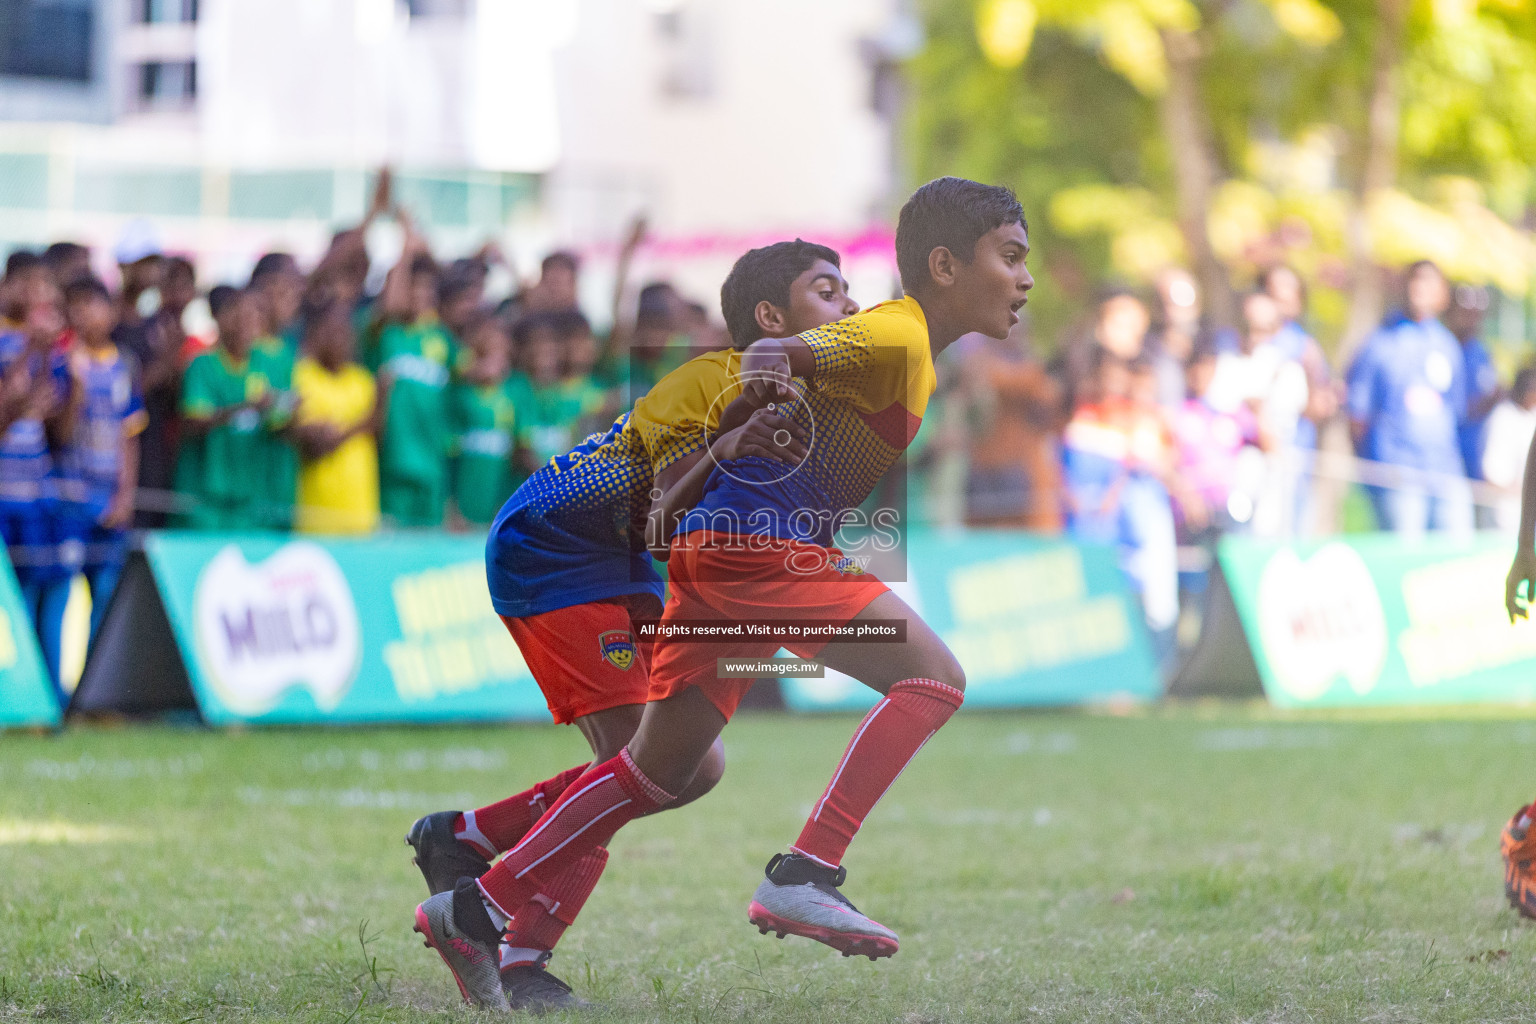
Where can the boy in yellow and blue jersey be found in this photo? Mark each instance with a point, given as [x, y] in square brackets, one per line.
[960, 248]
[568, 573]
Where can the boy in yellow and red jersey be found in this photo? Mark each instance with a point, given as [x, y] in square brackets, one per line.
[568, 575]
[961, 248]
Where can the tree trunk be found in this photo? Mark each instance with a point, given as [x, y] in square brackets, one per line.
[1194, 166]
[1378, 172]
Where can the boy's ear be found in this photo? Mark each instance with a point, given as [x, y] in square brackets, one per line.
[941, 266]
[770, 319]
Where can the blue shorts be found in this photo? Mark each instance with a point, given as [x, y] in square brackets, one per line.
[32, 542]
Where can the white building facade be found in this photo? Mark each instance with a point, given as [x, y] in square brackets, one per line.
[241, 125]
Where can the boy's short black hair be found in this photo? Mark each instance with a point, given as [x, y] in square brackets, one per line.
[180, 265]
[271, 264]
[765, 274]
[220, 296]
[560, 258]
[953, 213]
[522, 331]
[60, 253]
[655, 305]
[86, 287]
[22, 261]
[424, 264]
[457, 279]
[569, 323]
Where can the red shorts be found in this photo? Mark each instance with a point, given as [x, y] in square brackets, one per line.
[586, 657]
[709, 578]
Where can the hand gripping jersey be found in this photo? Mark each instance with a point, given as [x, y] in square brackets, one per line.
[573, 532]
[862, 407]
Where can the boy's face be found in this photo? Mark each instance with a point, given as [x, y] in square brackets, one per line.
[91, 317]
[333, 339]
[1198, 375]
[179, 289]
[989, 291]
[282, 293]
[817, 297]
[542, 355]
[239, 324]
[423, 293]
[580, 352]
[493, 352]
[1428, 293]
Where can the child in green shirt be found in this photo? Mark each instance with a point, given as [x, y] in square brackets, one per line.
[549, 419]
[484, 406]
[227, 429]
[416, 360]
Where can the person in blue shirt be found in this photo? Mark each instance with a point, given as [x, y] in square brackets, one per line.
[1407, 393]
[99, 464]
[36, 407]
[1464, 319]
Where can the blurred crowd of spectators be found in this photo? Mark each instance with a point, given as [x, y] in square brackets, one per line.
[312, 404]
[1150, 430]
[308, 403]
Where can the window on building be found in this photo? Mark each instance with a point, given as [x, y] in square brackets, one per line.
[164, 12]
[167, 85]
[47, 38]
[437, 8]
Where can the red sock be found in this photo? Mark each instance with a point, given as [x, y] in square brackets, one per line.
[889, 737]
[543, 919]
[498, 827]
[585, 817]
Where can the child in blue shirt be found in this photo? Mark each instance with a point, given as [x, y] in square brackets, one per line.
[36, 408]
[99, 464]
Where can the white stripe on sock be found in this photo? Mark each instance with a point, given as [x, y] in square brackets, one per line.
[573, 835]
[846, 755]
[547, 819]
[472, 834]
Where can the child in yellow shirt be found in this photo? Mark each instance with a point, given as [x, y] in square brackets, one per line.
[337, 428]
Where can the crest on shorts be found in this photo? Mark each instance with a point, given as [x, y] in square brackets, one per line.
[847, 566]
[617, 647]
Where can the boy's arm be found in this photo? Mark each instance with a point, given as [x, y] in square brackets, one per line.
[395, 299]
[680, 486]
[767, 365]
[120, 511]
[1523, 569]
[619, 332]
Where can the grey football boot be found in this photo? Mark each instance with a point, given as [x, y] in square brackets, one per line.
[457, 925]
[800, 897]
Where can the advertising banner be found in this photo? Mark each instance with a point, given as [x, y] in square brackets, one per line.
[1373, 619]
[278, 629]
[26, 696]
[1033, 620]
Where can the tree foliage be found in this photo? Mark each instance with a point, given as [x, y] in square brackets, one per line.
[1065, 101]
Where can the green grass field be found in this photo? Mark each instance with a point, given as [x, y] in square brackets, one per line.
[1192, 865]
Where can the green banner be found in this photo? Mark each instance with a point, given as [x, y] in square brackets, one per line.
[1033, 621]
[282, 629]
[26, 696]
[1372, 619]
